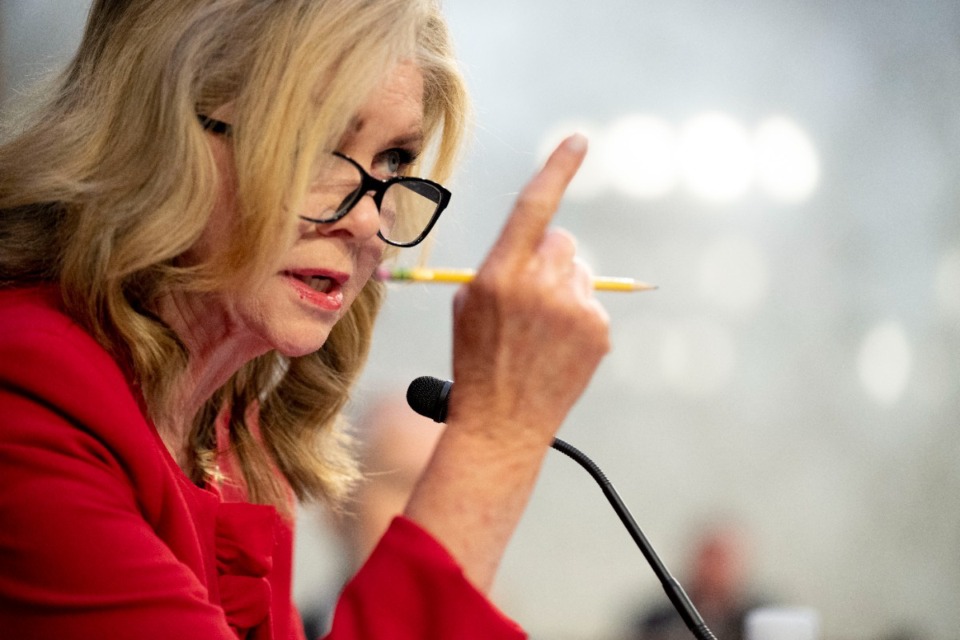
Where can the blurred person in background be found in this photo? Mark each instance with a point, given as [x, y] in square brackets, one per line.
[717, 582]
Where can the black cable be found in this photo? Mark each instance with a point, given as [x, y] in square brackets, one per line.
[683, 605]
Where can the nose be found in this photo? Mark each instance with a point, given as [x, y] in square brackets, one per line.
[362, 222]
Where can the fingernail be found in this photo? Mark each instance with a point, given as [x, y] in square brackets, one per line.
[577, 142]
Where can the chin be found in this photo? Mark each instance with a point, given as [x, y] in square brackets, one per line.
[301, 348]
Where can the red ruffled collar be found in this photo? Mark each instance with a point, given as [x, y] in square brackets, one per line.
[245, 538]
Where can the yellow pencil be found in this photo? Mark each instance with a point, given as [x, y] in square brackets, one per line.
[458, 276]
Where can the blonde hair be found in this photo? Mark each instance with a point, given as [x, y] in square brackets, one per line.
[112, 179]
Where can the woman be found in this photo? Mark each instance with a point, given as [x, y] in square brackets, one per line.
[187, 251]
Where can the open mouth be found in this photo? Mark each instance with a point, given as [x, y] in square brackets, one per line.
[320, 284]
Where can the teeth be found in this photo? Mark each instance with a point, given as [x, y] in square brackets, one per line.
[318, 283]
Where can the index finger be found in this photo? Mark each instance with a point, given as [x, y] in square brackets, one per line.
[540, 198]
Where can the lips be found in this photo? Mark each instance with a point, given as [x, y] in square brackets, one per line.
[323, 289]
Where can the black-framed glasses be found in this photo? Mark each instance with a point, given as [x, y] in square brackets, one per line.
[408, 207]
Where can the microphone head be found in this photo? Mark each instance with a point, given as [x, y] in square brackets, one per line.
[428, 396]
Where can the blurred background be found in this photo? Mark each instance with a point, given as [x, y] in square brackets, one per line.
[788, 173]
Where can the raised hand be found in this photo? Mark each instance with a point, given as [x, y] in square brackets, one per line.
[528, 336]
[528, 331]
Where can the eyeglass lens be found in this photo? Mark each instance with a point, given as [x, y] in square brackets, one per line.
[406, 207]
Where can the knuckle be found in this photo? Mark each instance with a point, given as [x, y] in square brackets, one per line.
[559, 242]
[561, 236]
[492, 285]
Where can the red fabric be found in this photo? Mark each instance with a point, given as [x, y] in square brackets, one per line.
[102, 535]
[417, 597]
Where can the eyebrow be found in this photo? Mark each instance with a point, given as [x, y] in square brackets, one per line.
[414, 138]
[410, 140]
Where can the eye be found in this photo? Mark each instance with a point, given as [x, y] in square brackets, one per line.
[393, 162]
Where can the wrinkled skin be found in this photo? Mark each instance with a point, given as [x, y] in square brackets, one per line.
[528, 337]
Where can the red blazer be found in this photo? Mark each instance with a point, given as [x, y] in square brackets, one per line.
[102, 535]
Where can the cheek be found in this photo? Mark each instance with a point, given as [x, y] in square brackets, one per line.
[216, 233]
[369, 258]
[213, 238]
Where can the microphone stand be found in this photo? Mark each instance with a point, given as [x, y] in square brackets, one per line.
[691, 617]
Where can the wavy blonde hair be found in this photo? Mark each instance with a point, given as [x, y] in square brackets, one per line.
[111, 179]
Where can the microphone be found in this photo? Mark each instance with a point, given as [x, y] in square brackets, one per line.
[429, 396]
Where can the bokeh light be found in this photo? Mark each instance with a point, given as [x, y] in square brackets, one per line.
[713, 157]
[885, 362]
[641, 156]
[716, 157]
[787, 165]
